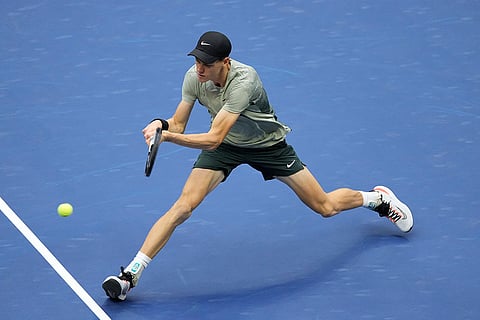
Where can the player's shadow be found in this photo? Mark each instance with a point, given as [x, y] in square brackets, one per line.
[189, 306]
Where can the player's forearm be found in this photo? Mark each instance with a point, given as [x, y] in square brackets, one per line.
[176, 126]
[204, 141]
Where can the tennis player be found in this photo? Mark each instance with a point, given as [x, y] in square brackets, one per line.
[244, 130]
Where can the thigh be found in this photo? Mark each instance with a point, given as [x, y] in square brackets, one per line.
[199, 184]
[307, 188]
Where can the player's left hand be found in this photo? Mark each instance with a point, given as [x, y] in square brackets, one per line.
[149, 130]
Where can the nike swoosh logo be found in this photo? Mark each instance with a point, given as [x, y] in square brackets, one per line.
[404, 216]
[203, 43]
[289, 165]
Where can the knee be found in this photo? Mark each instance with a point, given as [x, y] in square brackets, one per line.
[326, 213]
[180, 212]
[326, 209]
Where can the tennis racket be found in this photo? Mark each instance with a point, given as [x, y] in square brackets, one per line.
[152, 151]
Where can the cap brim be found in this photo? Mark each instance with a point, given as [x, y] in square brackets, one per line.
[202, 56]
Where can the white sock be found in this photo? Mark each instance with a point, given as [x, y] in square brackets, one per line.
[370, 199]
[138, 263]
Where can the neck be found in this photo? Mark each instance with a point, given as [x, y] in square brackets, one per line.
[223, 75]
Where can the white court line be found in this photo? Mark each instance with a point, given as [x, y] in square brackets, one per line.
[50, 258]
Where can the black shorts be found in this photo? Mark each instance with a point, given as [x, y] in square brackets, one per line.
[279, 160]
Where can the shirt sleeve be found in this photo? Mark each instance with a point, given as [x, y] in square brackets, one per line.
[189, 92]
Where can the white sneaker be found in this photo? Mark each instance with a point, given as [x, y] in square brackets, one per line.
[393, 209]
[116, 287]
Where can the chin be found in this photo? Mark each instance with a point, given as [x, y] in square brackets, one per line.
[202, 79]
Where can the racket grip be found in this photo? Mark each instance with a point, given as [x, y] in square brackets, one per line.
[155, 137]
[152, 142]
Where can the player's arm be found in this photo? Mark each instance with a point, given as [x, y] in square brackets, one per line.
[177, 123]
[210, 140]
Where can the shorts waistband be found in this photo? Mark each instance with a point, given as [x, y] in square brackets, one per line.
[278, 145]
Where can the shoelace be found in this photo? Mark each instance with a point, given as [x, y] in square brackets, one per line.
[385, 210]
[127, 276]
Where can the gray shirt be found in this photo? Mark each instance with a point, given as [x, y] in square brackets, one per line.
[243, 94]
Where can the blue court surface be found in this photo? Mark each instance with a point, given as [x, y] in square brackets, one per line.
[377, 92]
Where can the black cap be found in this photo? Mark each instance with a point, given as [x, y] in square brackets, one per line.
[212, 46]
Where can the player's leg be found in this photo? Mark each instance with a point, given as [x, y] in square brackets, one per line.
[281, 161]
[380, 199]
[198, 185]
[307, 188]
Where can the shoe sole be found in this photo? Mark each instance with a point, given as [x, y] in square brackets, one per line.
[403, 207]
[112, 289]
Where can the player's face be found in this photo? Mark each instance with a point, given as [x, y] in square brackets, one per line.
[206, 72]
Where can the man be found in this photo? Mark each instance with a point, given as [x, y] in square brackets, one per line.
[244, 130]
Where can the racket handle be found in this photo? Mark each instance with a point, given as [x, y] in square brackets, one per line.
[154, 138]
[152, 142]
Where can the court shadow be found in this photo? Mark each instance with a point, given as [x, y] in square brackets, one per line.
[220, 305]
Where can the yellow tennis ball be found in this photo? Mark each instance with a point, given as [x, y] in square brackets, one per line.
[65, 209]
